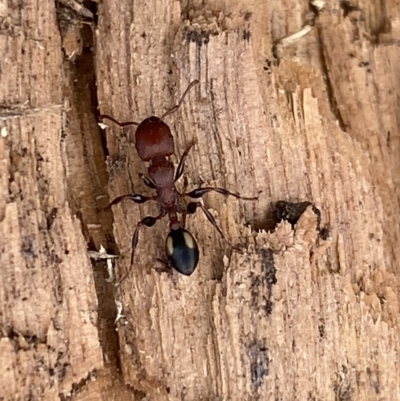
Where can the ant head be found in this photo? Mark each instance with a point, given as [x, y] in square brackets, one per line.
[153, 139]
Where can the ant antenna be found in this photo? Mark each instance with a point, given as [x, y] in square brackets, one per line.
[175, 108]
[124, 124]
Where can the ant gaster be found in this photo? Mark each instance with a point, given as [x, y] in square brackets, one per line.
[155, 144]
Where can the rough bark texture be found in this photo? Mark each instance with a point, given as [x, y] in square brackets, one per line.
[287, 314]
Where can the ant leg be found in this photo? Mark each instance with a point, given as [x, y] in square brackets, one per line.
[124, 124]
[175, 108]
[137, 198]
[147, 181]
[199, 192]
[148, 221]
[191, 209]
[181, 165]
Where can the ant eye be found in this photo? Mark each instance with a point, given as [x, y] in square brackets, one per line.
[182, 251]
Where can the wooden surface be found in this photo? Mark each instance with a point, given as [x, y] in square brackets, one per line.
[285, 316]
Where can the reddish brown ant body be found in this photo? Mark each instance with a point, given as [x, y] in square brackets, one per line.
[155, 144]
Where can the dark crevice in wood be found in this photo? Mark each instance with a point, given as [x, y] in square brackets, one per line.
[325, 71]
[87, 181]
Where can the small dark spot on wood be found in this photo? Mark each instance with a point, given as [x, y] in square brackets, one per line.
[246, 35]
[261, 285]
[342, 387]
[347, 7]
[62, 372]
[268, 307]
[268, 267]
[140, 395]
[198, 37]
[324, 234]
[247, 15]
[27, 246]
[321, 328]
[50, 217]
[373, 377]
[259, 363]
[268, 65]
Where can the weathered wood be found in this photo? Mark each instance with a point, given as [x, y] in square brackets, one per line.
[310, 126]
[48, 320]
[287, 316]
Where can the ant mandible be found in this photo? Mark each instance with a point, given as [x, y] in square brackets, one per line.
[155, 144]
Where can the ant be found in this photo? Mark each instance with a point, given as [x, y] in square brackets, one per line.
[155, 144]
